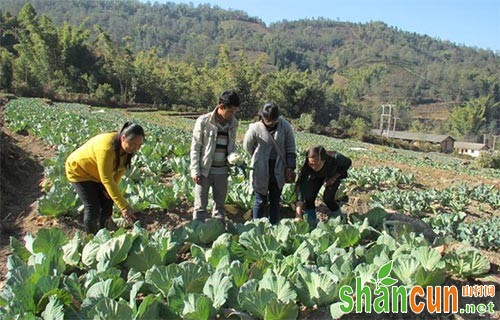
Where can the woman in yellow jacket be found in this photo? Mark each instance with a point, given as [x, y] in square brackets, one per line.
[95, 169]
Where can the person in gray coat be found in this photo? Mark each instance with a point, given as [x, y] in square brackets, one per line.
[214, 138]
[269, 167]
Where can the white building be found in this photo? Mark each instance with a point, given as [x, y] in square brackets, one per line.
[470, 148]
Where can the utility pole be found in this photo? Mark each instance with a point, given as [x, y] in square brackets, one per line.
[490, 140]
[394, 124]
[386, 115]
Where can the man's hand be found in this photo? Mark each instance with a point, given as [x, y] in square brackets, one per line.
[197, 179]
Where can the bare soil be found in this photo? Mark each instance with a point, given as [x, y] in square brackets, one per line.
[21, 172]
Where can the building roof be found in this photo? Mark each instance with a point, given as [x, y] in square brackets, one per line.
[469, 145]
[415, 136]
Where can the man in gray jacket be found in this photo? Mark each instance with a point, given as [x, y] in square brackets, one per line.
[214, 138]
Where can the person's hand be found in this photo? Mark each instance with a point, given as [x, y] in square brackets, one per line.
[330, 181]
[196, 179]
[128, 215]
[298, 210]
[290, 175]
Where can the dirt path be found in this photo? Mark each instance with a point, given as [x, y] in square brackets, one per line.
[21, 171]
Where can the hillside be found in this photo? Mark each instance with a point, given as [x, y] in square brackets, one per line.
[178, 56]
[411, 67]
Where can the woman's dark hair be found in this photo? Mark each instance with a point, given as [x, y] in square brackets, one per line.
[129, 131]
[316, 151]
[229, 98]
[313, 152]
[269, 111]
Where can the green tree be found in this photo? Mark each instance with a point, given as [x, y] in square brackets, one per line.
[177, 84]
[6, 75]
[224, 72]
[75, 59]
[202, 84]
[8, 26]
[30, 68]
[361, 80]
[306, 121]
[295, 92]
[148, 70]
[48, 56]
[118, 65]
[466, 121]
[249, 84]
[358, 128]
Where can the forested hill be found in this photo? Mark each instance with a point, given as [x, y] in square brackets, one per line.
[364, 64]
[407, 64]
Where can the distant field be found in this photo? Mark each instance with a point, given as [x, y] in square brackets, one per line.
[438, 111]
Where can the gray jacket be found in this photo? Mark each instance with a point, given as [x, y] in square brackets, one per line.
[204, 141]
[258, 144]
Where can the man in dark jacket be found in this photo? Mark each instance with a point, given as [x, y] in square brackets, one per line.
[321, 167]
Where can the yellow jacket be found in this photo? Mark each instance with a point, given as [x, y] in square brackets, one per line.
[95, 161]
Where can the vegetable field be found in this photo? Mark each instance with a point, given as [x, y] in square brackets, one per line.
[241, 270]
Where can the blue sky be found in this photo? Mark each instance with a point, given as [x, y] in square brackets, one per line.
[474, 23]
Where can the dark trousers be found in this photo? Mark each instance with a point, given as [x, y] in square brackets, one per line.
[310, 189]
[97, 206]
[261, 208]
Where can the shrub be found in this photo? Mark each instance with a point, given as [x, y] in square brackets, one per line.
[306, 121]
[104, 92]
[488, 160]
[358, 129]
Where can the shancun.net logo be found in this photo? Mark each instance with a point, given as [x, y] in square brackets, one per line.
[386, 297]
